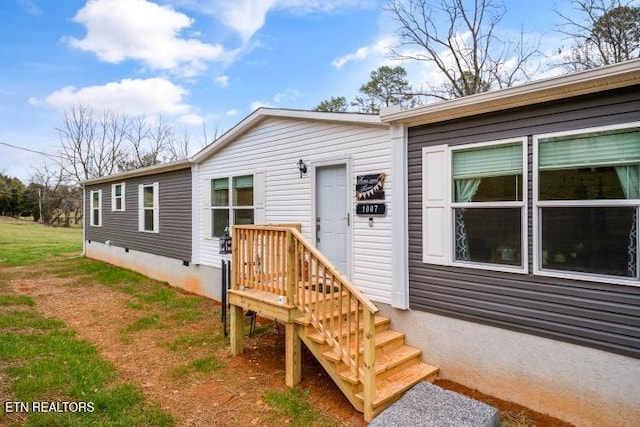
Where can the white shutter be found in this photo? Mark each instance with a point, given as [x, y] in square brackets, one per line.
[259, 216]
[99, 208]
[436, 229]
[123, 192]
[156, 207]
[206, 219]
[140, 207]
[113, 197]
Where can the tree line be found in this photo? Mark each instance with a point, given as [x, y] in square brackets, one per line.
[460, 38]
[92, 144]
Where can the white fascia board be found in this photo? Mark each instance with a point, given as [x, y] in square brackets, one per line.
[581, 83]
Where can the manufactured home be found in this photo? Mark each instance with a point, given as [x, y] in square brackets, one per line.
[521, 229]
[497, 232]
[275, 166]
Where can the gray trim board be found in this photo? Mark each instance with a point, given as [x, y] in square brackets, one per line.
[595, 314]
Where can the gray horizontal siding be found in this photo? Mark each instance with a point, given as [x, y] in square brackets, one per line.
[600, 315]
[121, 228]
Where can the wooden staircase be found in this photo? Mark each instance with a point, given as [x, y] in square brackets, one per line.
[397, 366]
[277, 273]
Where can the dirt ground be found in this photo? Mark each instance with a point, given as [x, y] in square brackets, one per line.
[232, 398]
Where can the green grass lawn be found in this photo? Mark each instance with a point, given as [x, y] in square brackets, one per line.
[45, 361]
[24, 242]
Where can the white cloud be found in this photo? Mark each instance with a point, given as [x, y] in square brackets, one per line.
[191, 119]
[379, 49]
[287, 95]
[30, 7]
[247, 17]
[129, 96]
[222, 81]
[142, 31]
[231, 113]
[258, 104]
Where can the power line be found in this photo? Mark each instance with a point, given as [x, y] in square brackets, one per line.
[30, 150]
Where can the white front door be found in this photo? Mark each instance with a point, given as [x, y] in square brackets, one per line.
[332, 221]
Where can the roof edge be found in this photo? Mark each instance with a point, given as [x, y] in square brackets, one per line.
[581, 83]
[149, 170]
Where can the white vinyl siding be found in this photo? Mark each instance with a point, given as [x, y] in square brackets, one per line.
[118, 197]
[149, 208]
[96, 208]
[271, 150]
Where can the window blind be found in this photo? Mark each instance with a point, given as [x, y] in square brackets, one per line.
[590, 149]
[498, 160]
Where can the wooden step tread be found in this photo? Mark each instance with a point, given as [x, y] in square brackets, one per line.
[318, 337]
[381, 339]
[392, 388]
[386, 361]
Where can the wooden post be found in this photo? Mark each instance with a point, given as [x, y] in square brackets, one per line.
[234, 259]
[290, 268]
[293, 360]
[237, 330]
[369, 380]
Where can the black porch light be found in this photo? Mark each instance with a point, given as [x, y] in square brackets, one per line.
[225, 242]
[302, 167]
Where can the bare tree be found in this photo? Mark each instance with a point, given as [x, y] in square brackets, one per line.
[602, 32]
[179, 148]
[463, 43]
[49, 180]
[91, 146]
[209, 137]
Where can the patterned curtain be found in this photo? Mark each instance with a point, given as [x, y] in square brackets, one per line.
[629, 177]
[465, 190]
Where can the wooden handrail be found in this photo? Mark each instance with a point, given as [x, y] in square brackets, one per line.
[352, 289]
[278, 259]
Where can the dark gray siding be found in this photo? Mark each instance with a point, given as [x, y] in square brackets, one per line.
[599, 315]
[121, 228]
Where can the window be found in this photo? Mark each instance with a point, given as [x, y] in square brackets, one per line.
[117, 196]
[96, 208]
[475, 205]
[148, 208]
[586, 202]
[235, 207]
[487, 206]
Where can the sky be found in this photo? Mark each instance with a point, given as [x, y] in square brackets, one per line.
[195, 61]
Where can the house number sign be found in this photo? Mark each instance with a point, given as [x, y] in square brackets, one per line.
[371, 209]
[369, 193]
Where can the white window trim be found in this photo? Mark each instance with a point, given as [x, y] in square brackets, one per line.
[99, 224]
[449, 205]
[537, 204]
[212, 208]
[122, 197]
[257, 200]
[156, 208]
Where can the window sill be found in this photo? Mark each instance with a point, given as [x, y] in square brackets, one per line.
[491, 267]
[587, 277]
[148, 232]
